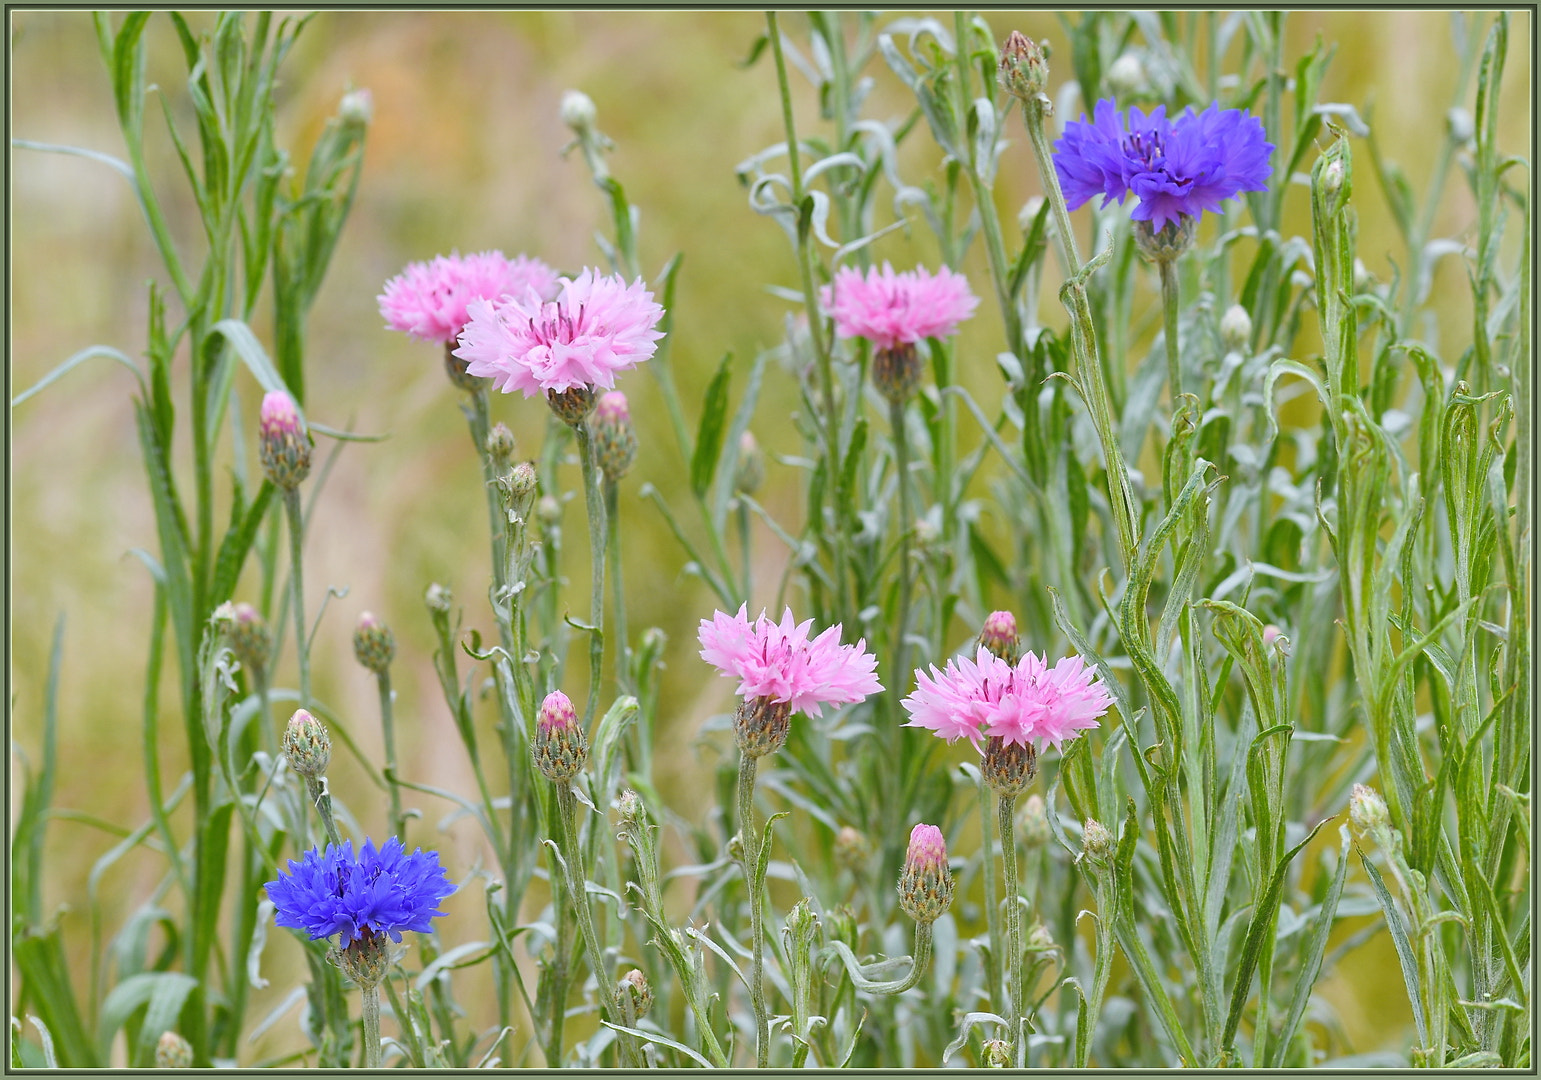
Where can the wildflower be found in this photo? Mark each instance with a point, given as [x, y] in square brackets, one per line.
[894, 312]
[958, 701]
[561, 748]
[781, 671]
[999, 635]
[307, 745]
[428, 300]
[282, 441]
[173, 1052]
[363, 899]
[565, 347]
[925, 885]
[373, 644]
[615, 440]
[1174, 168]
[1049, 705]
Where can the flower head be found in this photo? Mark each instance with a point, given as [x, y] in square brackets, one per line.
[778, 661]
[890, 309]
[595, 327]
[428, 300]
[560, 747]
[925, 885]
[283, 444]
[381, 891]
[1174, 168]
[1022, 704]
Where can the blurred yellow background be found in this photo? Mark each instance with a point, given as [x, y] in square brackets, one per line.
[464, 153]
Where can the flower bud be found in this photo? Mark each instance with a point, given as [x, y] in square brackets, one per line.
[357, 107]
[751, 465]
[1039, 937]
[249, 638]
[997, 1054]
[578, 111]
[851, 849]
[1023, 71]
[373, 644]
[548, 510]
[925, 885]
[366, 960]
[1271, 634]
[802, 923]
[650, 647]
[283, 443]
[572, 407]
[522, 483]
[1460, 126]
[1127, 78]
[561, 747]
[1029, 212]
[1169, 243]
[307, 745]
[635, 991]
[1096, 843]
[736, 847]
[896, 372]
[439, 599]
[1235, 328]
[631, 808]
[615, 440]
[1035, 822]
[999, 635]
[500, 444]
[1008, 767]
[173, 1052]
[1367, 810]
[839, 924]
[761, 725]
[1364, 281]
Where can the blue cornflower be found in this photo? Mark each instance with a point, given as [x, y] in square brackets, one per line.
[1174, 168]
[379, 892]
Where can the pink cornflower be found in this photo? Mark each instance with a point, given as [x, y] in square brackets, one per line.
[1028, 703]
[594, 327]
[428, 300]
[960, 700]
[890, 309]
[777, 661]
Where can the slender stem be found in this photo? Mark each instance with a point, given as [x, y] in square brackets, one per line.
[1102, 969]
[918, 966]
[747, 766]
[992, 905]
[906, 526]
[617, 592]
[596, 512]
[578, 899]
[297, 587]
[388, 729]
[372, 1048]
[743, 547]
[315, 787]
[479, 417]
[1169, 314]
[1004, 818]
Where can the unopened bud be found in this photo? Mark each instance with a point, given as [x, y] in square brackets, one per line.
[999, 635]
[761, 725]
[249, 638]
[373, 644]
[578, 111]
[1035, 822]
[1235, 328]
[896, 372]
[283, 443]
[357, 107]
[173, 1052]
[1363, 279]
[561, 747]
[1096, 843]
[1008, 767]
[802, 923]
[634, 989]
[1367, 810]
[1460, 126]
[1023, 71]
[997, 1054]
[851, 849]
[1029, 212]
[751, 465]
[1039, 937]
[615, 440]
[1271, 633]
[439, 599]
[307, 745]
[520, 487]
[1127, 78]
[500, 444]
[925, 885]
[1333, 176]
[548, 510]
[631, 808]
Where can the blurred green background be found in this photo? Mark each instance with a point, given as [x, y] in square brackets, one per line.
[465, 153]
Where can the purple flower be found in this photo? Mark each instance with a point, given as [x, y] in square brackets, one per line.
[1174, 168]
[383, 891]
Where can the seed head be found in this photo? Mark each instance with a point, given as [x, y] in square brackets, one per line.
[561, 747]
[173, 1052]
[307, 745]
[373, 644]
[283, 442]
[925, 885]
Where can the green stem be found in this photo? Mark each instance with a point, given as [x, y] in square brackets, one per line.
[1006, 825]
[297, 588]
[596, 514]
[617, 592]
[372, 1048]
[1102, 969]
[744, 551]
[992, 905]
[906, 523]
[922, 961]
[1169, 314]
[315, 787]
[747, 766]
[388, 730]
[480, 419]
